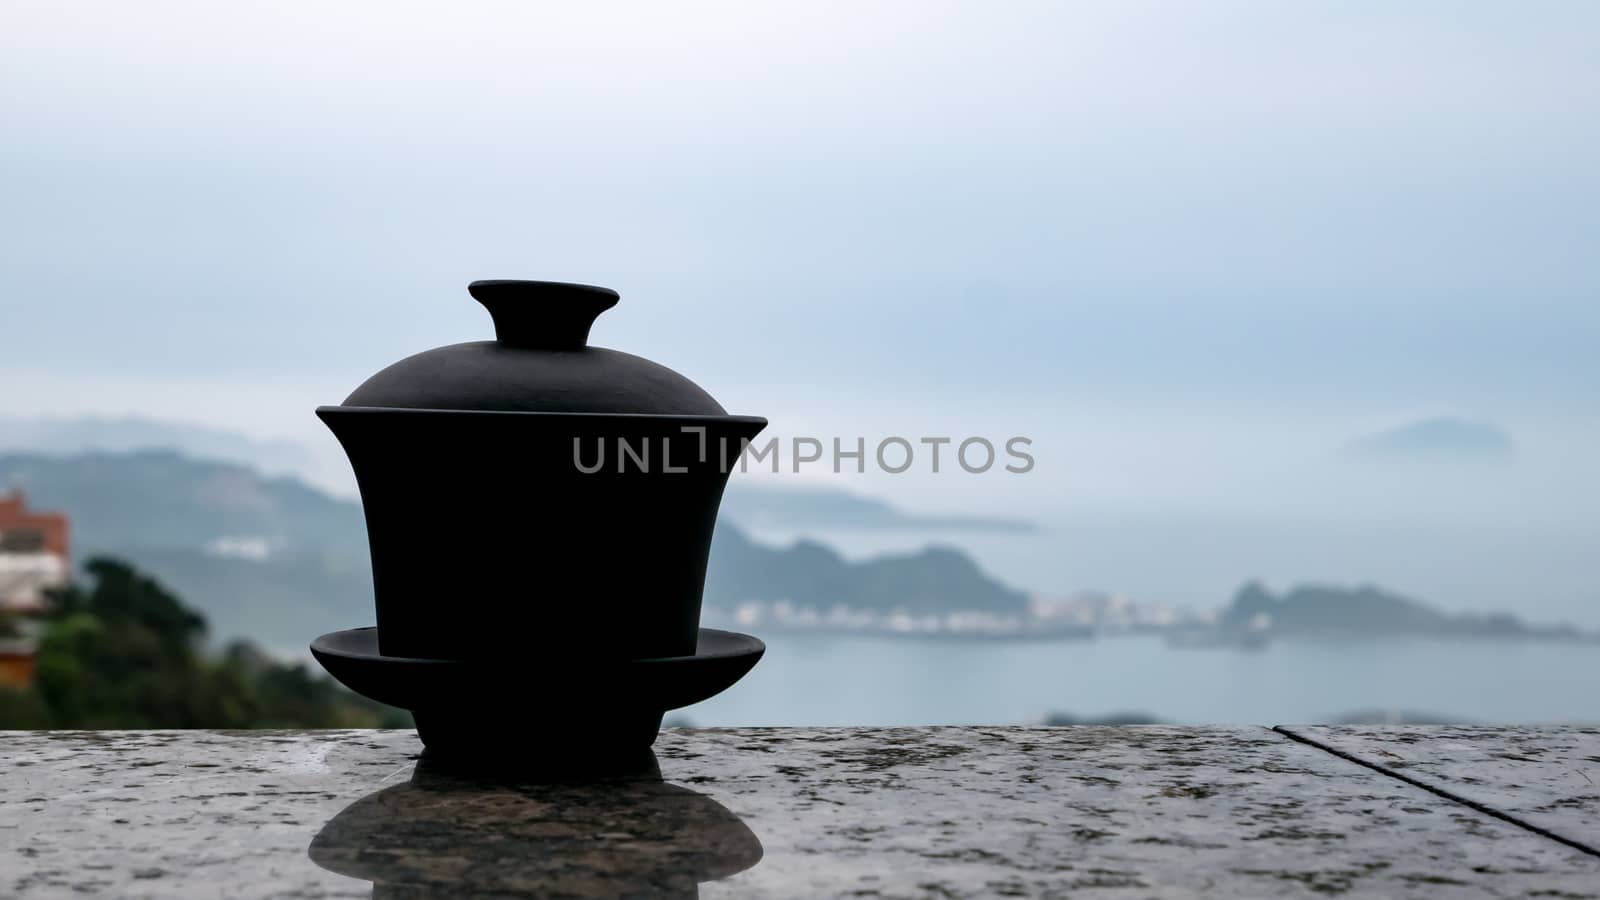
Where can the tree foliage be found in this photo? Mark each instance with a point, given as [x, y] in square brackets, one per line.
[124, 652]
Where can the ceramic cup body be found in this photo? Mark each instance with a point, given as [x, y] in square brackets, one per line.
[491, 540]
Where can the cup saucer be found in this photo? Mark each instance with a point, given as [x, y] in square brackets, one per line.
[464, 702]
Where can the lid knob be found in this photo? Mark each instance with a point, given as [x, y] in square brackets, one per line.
[544, 315]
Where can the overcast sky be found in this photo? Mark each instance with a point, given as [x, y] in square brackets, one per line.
[1137, 224]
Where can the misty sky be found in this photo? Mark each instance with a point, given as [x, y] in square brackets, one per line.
[1178, 243]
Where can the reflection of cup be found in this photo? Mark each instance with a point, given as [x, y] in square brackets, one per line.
[446, 833]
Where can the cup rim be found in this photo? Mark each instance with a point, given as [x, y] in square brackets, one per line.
[324, 411]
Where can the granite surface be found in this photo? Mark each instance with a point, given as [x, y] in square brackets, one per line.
[935, 812]
[1547, 777]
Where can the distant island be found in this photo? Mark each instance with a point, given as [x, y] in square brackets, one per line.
[1366, 611]
[808, 586]
[1440, 439]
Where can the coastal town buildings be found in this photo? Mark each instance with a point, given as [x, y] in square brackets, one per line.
[35, 556]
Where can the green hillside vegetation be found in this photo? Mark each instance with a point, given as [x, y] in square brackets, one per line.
[124, 652]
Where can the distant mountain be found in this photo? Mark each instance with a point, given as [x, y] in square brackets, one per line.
[278, 561]
[120, 434]
[1365, 612]
[933, 580]
[751, 505]
[761, 506]
[159, 498]
[1438, 439]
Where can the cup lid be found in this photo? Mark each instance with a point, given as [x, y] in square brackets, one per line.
[540, 361]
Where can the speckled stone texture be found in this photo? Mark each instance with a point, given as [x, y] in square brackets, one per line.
[1548, 777]
[935, 812]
